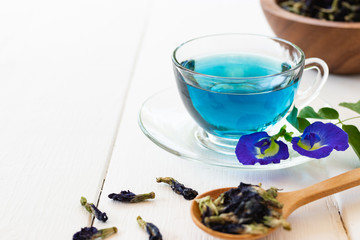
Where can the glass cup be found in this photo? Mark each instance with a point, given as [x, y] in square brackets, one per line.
[236, 84]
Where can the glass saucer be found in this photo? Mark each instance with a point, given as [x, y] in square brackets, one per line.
[166, 122]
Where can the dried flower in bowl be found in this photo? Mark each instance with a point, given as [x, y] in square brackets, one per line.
[247, 209]
[331, 10]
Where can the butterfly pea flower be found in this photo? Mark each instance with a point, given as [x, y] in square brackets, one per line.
[260, 148]
[92, 233]
[91, 208]
[179, 188]
[319, 139]
[151, 229]
[127, 196]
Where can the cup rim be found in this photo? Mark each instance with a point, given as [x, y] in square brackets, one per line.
[297, 66]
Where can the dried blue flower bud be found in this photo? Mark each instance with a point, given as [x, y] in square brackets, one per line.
[98, 214]
[91, 233]
[91, 208]
[127, 196]
[151, 229]
[179, 188]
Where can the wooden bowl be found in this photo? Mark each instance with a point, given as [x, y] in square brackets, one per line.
[337, 43]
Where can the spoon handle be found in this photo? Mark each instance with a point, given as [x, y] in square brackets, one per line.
[323, 189]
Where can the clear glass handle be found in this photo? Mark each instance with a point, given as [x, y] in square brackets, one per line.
[303, 98]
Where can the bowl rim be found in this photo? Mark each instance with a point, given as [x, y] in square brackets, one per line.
[273, 7]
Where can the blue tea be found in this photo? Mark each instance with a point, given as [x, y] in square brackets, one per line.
[226, 104]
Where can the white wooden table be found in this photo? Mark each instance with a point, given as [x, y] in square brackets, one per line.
[73, 75]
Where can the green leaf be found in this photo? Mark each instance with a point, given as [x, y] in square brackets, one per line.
[352, 106]
[292, 118]
[308, 112]
[303, 123]
[288, 136]
[298, 122]
[328, 113]
[354, 137]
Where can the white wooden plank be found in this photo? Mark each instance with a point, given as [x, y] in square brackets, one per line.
[64, 72]
[136, 161]
[339, 162]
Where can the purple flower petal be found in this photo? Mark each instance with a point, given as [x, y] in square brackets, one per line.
[319, 139]
[263, 144]
[310, 139]
[318, 153]
[260, 148]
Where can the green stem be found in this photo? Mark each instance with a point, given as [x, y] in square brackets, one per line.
[143, 197]
[341, 121]
[350, 119]
[141, 222]
[281, 133]
[105, 233]
[334, 7]
[168, 180]
[87, 206]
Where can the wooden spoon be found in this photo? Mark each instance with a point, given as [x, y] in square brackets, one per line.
[291, 200]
